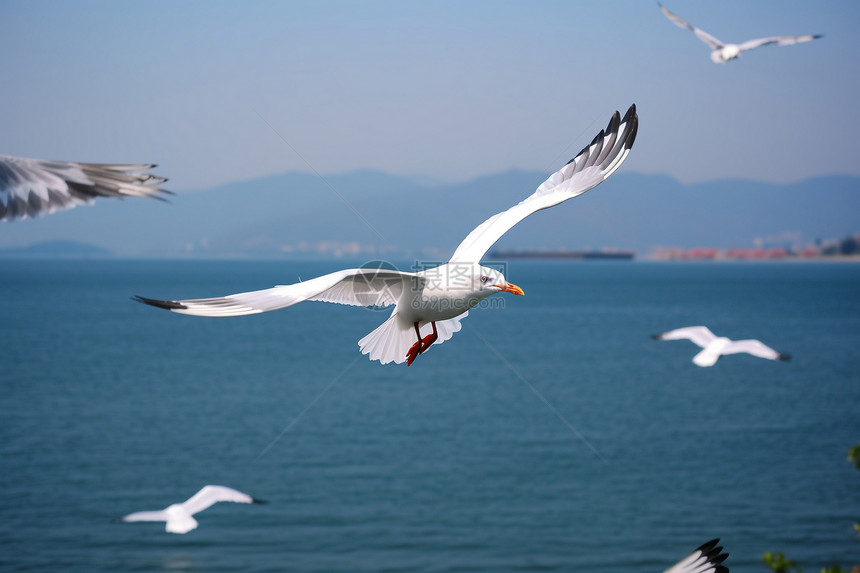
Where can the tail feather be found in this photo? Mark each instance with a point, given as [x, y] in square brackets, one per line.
[392, 339]
[383, 342]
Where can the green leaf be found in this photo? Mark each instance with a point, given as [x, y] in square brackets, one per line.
[854, 455]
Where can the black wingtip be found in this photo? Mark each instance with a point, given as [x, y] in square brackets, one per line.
[614, 122]
[631, 111]
[631, 121]
[259, 501]
[167, 304]
[656, 336]
[713, 552]
[785, 357]
[633, 118]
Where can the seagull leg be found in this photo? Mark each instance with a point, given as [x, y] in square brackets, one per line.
[416, 348]
[422, 344]
[429, 339]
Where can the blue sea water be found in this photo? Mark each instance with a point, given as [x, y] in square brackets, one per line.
[552, 434]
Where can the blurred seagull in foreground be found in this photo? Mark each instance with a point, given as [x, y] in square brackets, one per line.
[179, 515]
[31, 187]
[722, 53]
[706, 558]
[715, 346]
[440, 297]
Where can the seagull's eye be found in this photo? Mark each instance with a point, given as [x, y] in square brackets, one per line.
[485, 278]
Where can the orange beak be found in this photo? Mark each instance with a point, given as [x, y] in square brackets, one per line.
[511, 288]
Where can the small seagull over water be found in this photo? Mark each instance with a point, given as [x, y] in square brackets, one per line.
[715, 346]
[707, 558]
[31, 187]
[179, 515]
[435, 299]
[723, 52]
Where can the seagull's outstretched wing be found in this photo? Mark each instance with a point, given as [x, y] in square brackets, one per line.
[701, 34]
[707, 558]
[754, 347]
[356, 287]
[160, 515]
[212, 494]
[31, 187]
[701, 335]
[778, 40]
[589, 168]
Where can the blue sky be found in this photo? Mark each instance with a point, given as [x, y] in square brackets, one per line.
[448, 90]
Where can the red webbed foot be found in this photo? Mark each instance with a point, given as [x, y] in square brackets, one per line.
[414, 352]
[427, 341]
[422, 344]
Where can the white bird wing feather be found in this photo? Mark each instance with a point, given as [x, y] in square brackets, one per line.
[31, 187]
[751, 346]
[707, 558]
[212, 494]
[355, 287]
[779, 40]
[589, 168]
[700, 335]
[701, 34]
[160, 515]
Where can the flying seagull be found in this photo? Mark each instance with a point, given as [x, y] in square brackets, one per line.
[707, 558]
[179, 515]
[435, 299]
[31, 187]
[715, 346]
[722, 52]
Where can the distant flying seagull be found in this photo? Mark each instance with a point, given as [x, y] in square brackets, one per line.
[707, 558]
[31, 187]
[715, 346]
[722, 52]
[440, 297]
[179, 515]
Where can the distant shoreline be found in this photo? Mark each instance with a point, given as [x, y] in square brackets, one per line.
[630, 255]
[564, 254]
[789, 259]
[572, 256]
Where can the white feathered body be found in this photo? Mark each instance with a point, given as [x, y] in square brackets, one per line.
[723, 52]
[712, 352]
[442, 295]
[179, 520]
[726, 53]
[178, 517]
[714, 346]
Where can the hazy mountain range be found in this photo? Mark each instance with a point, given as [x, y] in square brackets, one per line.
[367, 214]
